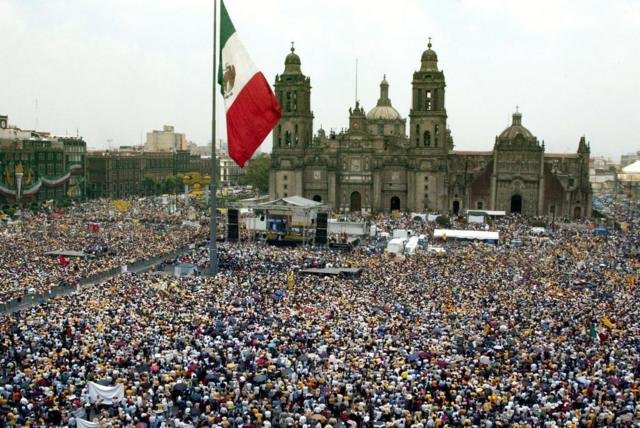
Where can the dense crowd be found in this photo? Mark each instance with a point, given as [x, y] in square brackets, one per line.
[109, 237]
[541, 334]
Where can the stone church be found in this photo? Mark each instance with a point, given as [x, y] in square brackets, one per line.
[380, 165]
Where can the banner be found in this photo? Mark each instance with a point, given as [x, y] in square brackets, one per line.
[476, 219]
[106, 394]
[81, 423]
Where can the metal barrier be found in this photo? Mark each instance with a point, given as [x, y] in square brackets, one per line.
[137, 266]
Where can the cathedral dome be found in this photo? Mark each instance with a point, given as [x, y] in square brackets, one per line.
[429, 60]
[292, 63]
[383, 110]
[292, 58]
[515, 129]
[383, 113]
[429, 54]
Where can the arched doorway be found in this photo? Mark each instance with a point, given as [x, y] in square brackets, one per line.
[516, 204]
[456, 207]
[395, 204]
[577, 212]
[317, 198]
[356, 202]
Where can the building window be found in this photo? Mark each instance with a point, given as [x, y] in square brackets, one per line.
[428, 101]
[426, 178]
[380, 129]
[426, 139]
[285, 178]
[288, 102]
[426, 187]
[285, 194]
[571, 182]
[436, 135]
[285, 187]
[479, 205]
[417, 134]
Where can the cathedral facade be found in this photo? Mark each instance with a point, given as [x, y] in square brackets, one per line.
[381, 163]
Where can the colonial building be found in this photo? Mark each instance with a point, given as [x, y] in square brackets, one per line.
[36, 166]
[378, 164]
[122, 173]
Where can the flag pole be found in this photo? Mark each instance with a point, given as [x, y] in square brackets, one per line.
[213, 225]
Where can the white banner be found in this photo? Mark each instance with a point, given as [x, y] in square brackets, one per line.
[107, 394]
[81, 423]
[476, 219]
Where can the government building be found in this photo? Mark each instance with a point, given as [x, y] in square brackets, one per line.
[381, 163]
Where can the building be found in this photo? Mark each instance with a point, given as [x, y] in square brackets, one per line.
[36, 166]
[603, 175]
[629, 181]
[629, 158]
[380, 165]
[126, 172]
[166, 140]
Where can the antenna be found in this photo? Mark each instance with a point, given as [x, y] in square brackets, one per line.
[36, 128]
[356, 80]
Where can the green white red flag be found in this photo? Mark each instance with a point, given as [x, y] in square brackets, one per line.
[252, 108]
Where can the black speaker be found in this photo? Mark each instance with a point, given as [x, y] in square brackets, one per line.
[321, 229]
[232, 225]
[321, 221]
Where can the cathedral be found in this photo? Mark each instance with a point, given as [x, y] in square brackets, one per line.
[380, 165]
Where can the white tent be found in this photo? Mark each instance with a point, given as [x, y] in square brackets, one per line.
[466, 234]
[630, 172]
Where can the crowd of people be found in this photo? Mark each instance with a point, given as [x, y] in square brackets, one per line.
[544, 333]
[108, 238]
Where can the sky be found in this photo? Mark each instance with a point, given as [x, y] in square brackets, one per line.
[112, 70]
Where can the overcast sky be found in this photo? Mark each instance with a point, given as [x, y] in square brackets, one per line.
[115, 69]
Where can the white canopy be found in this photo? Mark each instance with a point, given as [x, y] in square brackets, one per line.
[630, 172]
[633, 168]
[466, 234]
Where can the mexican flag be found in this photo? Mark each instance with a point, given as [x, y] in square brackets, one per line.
[252, 108]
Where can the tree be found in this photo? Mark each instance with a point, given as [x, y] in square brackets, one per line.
[256, 173]
[443, 221]
[148, 184]
[169, 184]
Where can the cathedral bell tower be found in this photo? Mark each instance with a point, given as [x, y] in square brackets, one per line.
[293, 89]
[428, 117]
[429, 139]
[293, 132]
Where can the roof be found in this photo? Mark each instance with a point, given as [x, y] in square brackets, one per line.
[383, 113]
[516, 129]
[633, 168]
[466, 234]
[472, 153]
[561, 155]
[291, 202]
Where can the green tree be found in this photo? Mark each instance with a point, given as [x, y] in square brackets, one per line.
[256, 173]
[169, 184]
[148, 184]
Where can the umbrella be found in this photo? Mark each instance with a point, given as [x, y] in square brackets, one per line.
[412, 357]
[103, 382]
